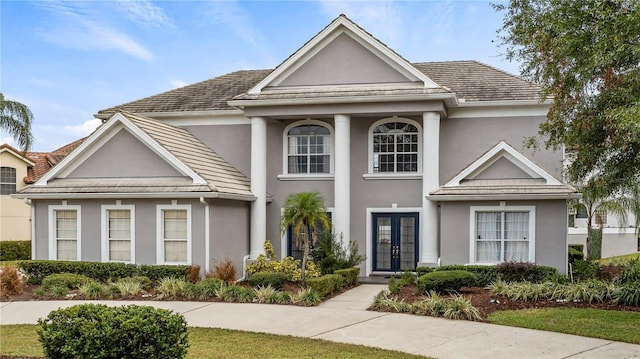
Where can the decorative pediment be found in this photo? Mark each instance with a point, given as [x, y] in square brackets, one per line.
[343, 54]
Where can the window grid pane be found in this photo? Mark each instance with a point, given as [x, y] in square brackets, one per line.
[502, 236]
[7, 180]
[175, 235]
[308, 149]
[395, 148]
[66, 232]
[119, 234]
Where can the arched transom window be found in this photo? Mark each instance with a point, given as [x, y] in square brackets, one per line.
[308, 149]
[395, 147]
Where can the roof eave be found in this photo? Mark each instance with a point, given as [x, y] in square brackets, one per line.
[506, 196]
[218, 195]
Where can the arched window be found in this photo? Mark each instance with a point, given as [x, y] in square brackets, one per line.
[308, 148]
[395, 146]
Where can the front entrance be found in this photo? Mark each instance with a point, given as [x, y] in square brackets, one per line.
[395, 241]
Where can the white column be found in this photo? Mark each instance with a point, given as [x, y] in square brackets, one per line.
[342, 178]
[258, 185]
[430, 181]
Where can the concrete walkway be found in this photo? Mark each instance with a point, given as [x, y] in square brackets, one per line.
[344, 319]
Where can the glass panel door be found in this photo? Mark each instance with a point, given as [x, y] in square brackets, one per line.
[395, 237]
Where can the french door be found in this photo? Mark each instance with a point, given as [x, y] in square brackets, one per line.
[395, 241]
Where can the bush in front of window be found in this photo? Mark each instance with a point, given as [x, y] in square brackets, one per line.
[485, 275]
[446, 281]
[525, 272]
[15, 250]
[330, 254]
[37, 270]
[97, 331]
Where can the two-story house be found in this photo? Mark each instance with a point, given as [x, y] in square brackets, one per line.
[419, 163]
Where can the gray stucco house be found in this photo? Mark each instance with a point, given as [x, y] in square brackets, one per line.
[420, 163]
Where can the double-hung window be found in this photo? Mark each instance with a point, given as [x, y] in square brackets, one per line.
[174, 234]
[118, 234]
[64, 232]
[395, 147]
[308, 148]
[502, 234]
[7, 180]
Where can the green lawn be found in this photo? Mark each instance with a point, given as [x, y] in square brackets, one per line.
[220, 343]
[619, 259]
[597, 323]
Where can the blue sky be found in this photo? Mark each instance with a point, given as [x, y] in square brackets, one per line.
[68, 60]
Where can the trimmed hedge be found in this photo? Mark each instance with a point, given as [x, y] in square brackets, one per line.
[39, 269]
[525, 272]
[66, 280]
[485, 275]
[326, 284]
[575, 253]
[263, 279]
[445, 280]
[423, 270]
[350, 275]
[96, 331]
[15, 250]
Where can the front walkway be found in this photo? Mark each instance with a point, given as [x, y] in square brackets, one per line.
[344, 319]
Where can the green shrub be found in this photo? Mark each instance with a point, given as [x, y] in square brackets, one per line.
[524, 272]
[627, 294]
[206, 289]
[15, 250]
[423, 270]
[326, 284]
[575, 253]
[330, 254]
[102, 272]
[263, 279]
[67, 280]
[307, 297]
[350, 275]
[91, 290]
[394, 286]
[584, 269]
[97, 331]
[485, 275]
[236, 294]
[441, 281]
[172, 287]
[128, 286]
[630, 273]
[289, 265]
[459, 307]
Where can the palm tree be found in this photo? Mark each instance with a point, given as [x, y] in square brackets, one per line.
[305, 212]
[16, 119]
[595, 202]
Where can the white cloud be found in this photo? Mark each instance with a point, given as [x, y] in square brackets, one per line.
[143, 12]
[80, 27]
[83, 129]
[231, 15]
[175, 83]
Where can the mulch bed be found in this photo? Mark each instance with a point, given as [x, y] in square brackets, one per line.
[486, 303]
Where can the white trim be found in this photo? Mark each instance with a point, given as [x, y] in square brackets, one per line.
[474, 110]
[284, 245]
[285, 151]
[104, 230]
[53, 240]
[160, 208]
[369, 231]
[390, 176]
[370, 146]
[258, 211]
[502, 149]
[339, 26]
[299, 177]
[502, 208]
[101, 136]
[496, 197]
[111, 195]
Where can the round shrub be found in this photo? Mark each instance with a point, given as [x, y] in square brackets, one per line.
[263, 279]
[66, 280]
[441, 281]
[96, 331]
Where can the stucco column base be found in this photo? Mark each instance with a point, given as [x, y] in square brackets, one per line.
[427, 264]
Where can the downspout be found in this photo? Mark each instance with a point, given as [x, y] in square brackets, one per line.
[207, 220]
[244, 268]
[33, 227]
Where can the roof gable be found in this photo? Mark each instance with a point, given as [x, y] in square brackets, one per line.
[342, 33]
[502, 158]
[6, 148]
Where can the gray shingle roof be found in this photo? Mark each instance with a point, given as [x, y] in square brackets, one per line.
[471, 80]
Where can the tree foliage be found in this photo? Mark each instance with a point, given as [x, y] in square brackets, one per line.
[586, 57]
[304, 212]
[16, 120]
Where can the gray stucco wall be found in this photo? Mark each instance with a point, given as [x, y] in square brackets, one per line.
[229, 232]
[501, 169]
[550, 239]
[464, 140]
[124, 156]
[231, 142]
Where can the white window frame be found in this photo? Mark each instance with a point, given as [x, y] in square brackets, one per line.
[409, 121]
[285, 152]
[53, 240]
[502, 208]
[160, 232]
[14, 183]
[105, 208]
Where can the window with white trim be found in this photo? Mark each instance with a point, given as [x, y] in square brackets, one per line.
[118, 234]
[174, 234]
[64, 232]
[7, 180]
[395, 146]
[502, 234]
[307, 148]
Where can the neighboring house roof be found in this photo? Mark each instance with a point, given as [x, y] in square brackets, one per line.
[535, 182]
[208, 172]
[5, 147]
[44, 161]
